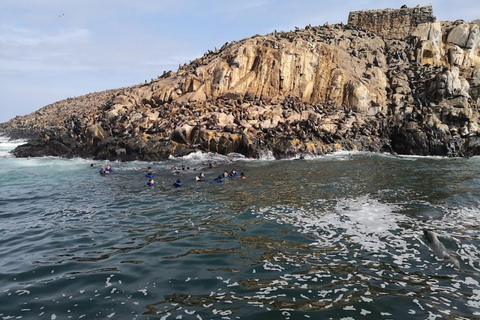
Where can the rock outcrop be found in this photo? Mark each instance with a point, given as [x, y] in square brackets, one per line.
[389, 80]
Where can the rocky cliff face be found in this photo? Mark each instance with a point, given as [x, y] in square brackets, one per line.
[389, 80]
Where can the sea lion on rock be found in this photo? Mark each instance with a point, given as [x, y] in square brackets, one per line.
[439, 248]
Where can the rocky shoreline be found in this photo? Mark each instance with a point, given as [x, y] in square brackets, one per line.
[394, 81]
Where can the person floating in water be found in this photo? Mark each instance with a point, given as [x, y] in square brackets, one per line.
[108, 169]
[219, 179]
[242, 176]
[200, 177]
[225, 174]
[150, 182]
[177, 183]
[102, 171]
[149, 174]
[233, 174]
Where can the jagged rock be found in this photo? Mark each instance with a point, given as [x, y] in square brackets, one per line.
[456, 56]
[429, 49]
[183, 134]
[473, 38]
[449, 83]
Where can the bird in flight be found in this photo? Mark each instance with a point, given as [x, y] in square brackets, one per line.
[61, 16]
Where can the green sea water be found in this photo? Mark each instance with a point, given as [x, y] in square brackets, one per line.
[335, 237]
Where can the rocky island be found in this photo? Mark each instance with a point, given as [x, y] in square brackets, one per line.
[394, 80]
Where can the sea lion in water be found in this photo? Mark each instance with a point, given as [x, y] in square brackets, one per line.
[439, 249]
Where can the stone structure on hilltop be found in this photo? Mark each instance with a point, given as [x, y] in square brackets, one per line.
[392, 23]
[389, 80]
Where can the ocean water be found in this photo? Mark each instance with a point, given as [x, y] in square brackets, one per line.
[335, 237]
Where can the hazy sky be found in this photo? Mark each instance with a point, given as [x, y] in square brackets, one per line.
[54, 49]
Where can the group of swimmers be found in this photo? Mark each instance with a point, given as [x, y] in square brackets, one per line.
[178, 183]
[106, 170]
[149, 174]
[226, 174]
[201, 177]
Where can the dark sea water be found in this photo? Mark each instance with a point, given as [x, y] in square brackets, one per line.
[336, 237]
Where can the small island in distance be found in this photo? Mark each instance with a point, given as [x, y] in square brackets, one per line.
[393, 80]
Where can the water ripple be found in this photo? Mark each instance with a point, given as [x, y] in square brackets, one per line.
[334, 237]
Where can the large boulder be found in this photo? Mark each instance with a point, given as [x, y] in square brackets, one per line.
[459, 35]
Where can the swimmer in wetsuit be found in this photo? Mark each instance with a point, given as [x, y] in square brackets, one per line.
[220, 178]
[149, 174]
[200, 177]
[177, 183]
[233, 174]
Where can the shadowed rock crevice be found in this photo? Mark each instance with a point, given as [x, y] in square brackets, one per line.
[388, 81]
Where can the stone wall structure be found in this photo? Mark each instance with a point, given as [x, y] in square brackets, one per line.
[392, 23]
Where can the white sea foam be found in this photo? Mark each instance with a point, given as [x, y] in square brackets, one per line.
[200, 156]
[469, 216]
[340, 155]
[7, 145]
[419, 157]
[5, 154]
[10, 143]
[362, 220]
[197, 160]
[53, 164]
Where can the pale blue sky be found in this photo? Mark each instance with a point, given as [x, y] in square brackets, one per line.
[104, 44]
